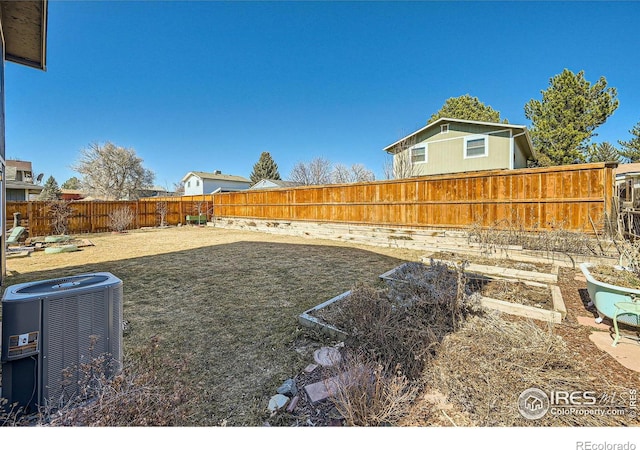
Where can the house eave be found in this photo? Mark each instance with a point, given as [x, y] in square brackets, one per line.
[24, 26]
[187, 176]
[438, 122]
[23, 186]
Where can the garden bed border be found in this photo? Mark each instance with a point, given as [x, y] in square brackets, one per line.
[556, 315]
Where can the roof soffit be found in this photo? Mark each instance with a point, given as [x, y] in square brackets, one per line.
[24, 25]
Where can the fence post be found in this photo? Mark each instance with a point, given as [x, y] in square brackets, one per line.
[30, 218]
[90, 208]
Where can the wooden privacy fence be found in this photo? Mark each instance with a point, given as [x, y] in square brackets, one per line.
[94, 216]
[575, 197]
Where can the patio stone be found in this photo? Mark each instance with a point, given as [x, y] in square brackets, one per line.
[627, 352]
[590, 322]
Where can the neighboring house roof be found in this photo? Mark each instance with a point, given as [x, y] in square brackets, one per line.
[72, 192]
[521, 131]
[267, 183]
[627, 169]
[216, 176]
[156, 191]
[23, 185]
[24, 26]
[67, 196]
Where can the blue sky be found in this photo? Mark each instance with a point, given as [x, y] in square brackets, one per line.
[209, 85]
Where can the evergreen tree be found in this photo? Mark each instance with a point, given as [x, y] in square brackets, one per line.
[564, 120]
[603, 152]
[264, 169]
[71, 183]
[50, 190]
[466, 107]
[631, 148]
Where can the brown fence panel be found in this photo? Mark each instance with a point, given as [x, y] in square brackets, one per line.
[572, 197]
[17, 207]
[542, 198]
[85, 217]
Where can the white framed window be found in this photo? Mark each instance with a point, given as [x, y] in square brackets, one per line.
[189, 183]
[197, 182]
[476, 146]
[419, 155]
[444, 128]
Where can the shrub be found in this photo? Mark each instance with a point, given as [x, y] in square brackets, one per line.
[402, 325]
[366, 393]
[505, 233]
[59, 211]
[162, 209]
[133, 397]
[121, 219]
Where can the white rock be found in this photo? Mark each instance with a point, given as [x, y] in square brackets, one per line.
[327, 356]
[277, 402]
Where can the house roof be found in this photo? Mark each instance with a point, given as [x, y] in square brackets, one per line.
[216, 176]
[279, 183]
[624, 169]
[72, 191]
[24, 25]
[522, 129]
[10, 184]
[156, 188]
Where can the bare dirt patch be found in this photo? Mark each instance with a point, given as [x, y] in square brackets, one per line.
[513, 292]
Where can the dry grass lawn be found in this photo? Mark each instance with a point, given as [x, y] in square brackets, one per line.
[222, 307]
[222, 304]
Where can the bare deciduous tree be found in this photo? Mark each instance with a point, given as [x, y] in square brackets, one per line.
[322, 171]
[162, 208]
[202, 208]
[112, 172]
[355, 174]
[341, 174]
[178, 188]
[318, 171]
[399, 164]
[361, 173]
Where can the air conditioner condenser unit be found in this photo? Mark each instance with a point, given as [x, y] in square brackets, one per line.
[50, 328]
